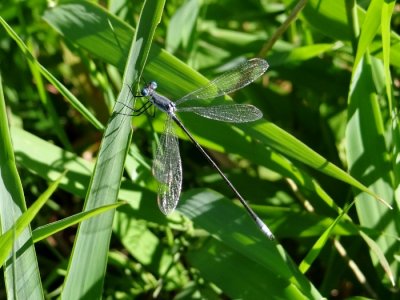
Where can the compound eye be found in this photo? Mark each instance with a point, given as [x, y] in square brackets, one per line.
[153, 85]
[144, 92]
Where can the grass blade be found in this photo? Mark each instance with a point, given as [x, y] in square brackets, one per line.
[43, 232]
[21, 272]
[380, 256]
[272, 135]
[367, 155]
[264, 261]
[24, 220]
[87, 266]
[318, 246]
[60, 87]
[369, 29]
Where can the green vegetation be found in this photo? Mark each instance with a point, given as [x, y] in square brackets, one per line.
[321, 168]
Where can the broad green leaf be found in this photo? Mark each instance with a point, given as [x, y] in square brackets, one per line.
[367, 157]
[44, 156]
[220, 264]
[330, 17]
[87, 266]
[136, 237]
[48, 161]
[94, 29]
[239, 244]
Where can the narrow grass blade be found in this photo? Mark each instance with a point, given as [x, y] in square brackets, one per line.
[7, 239]
[21, 272]
[369, 29]
[318, 246]
[45, 99]
[272, 135]
[47, 230]
[46, 160]
[57, 84]
[87, 266]
[380, 256]
[387, 11]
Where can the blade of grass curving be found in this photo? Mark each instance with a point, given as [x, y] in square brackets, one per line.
[46, 160]
[380, 256]
[272, 135]
[319, 244]
[6, 240]
[22, 278]
[57, 84]
[51, 111]
[45, 231]
[87, 266]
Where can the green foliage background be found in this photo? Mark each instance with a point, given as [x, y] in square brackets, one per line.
[321, 168]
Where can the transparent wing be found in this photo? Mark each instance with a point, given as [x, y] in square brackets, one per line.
[229, 81]
[234, 113]
[167, 169]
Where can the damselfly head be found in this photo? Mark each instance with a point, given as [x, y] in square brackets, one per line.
[146, 91]
[153, 85]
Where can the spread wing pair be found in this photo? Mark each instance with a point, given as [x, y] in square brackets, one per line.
[167, 167]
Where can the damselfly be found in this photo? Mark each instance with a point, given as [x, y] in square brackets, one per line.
[167, 167]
